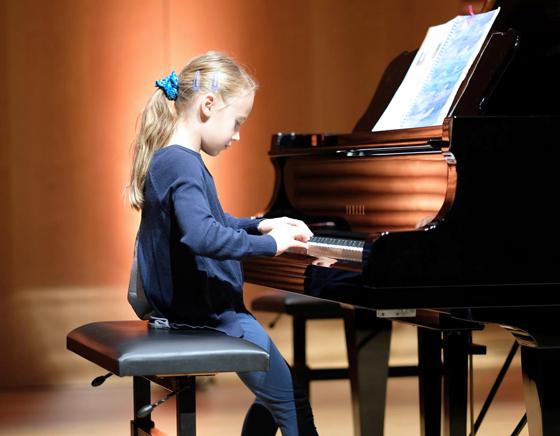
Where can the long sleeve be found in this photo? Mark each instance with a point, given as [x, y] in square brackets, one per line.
[188, 251]
[250, 225]
[207, 237]
[198, 212]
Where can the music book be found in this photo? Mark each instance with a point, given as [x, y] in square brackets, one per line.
[443, 60]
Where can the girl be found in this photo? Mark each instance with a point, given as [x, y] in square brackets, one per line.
[189, 249]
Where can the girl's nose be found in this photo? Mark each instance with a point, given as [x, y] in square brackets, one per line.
[235, 137]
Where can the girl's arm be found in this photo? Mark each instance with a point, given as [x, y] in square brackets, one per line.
[205, 236]
[250, 225]
[258, 226]
[180, 179]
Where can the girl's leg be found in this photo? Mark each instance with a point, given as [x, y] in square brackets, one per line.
[275, 389]
[259, 421]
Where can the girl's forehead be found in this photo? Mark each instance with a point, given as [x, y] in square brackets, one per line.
[243, 104]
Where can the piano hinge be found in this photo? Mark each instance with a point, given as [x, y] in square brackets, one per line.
[449, 158]
[396, 313]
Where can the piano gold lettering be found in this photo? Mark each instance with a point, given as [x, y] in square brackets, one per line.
[355, 209]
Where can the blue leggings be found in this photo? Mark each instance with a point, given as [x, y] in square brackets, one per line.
[279, 402]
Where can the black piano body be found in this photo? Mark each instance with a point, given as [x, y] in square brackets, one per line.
[457, 222]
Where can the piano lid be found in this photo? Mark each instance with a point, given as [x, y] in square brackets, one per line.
[515, 73]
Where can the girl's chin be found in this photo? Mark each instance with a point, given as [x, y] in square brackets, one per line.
[213, 152]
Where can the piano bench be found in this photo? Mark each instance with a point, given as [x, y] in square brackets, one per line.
[169, 358]
[303, 308]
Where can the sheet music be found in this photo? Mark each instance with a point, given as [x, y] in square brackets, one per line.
[441, 64]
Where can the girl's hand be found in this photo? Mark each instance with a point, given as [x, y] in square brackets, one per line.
[289, 236]
[266, 226]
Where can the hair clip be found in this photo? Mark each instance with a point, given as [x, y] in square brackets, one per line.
[196, 81]
[169, 85]
[215, 81]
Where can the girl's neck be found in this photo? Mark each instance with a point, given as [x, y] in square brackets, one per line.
[185, 136]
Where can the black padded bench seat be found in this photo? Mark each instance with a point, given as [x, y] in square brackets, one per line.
[132, 348]
[170, 358]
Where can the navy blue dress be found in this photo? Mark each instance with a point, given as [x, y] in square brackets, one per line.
[189, 248]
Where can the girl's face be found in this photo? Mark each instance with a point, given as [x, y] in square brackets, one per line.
[224, 121]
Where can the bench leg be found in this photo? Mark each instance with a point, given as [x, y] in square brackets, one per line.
[141, 397]
[186, 406]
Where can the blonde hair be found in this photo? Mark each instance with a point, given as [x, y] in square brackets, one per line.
[210, 72]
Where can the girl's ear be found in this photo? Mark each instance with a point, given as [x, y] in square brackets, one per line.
[207, 105]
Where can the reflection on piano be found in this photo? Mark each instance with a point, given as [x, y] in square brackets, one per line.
[456, 222]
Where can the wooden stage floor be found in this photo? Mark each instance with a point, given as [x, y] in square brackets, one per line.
[222, 400]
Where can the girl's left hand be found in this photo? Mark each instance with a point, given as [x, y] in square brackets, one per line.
[265, 226]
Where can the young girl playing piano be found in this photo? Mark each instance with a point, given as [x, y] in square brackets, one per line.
[189, 249]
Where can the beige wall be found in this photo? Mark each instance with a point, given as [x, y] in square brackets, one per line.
[75, 75]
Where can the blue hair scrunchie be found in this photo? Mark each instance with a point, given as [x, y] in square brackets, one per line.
[169, 85]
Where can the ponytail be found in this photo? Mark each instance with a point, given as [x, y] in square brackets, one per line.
[157, 123]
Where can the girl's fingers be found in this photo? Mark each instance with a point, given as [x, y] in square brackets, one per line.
[300, 244]
[299, 224]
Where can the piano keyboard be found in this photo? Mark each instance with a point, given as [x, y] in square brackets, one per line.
[334, 248]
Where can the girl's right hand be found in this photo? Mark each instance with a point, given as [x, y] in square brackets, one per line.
[288, 236]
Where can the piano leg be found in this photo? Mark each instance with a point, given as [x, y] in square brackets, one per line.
[429, 380]
[541, 385]
[368, 341]
[456, 346]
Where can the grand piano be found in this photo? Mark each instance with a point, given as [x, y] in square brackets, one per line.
[448, 227]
